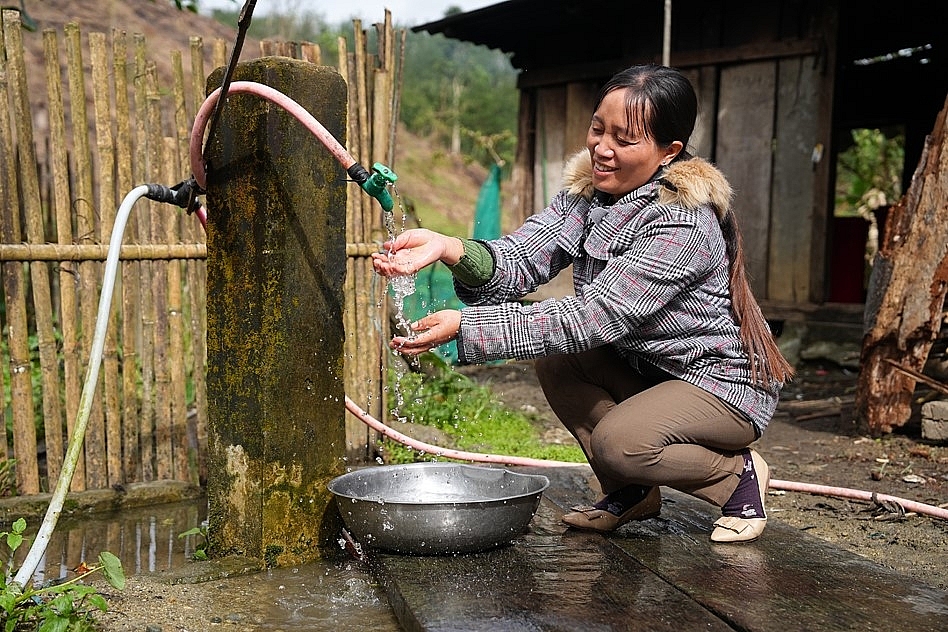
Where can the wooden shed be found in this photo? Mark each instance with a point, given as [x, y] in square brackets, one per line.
[780, 85]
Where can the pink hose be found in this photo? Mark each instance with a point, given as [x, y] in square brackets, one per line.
[343, 156]
[775, 484]
[274, 96]
[448, 453]
[856, 494]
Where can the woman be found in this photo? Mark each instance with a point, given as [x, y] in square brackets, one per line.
[662, 365]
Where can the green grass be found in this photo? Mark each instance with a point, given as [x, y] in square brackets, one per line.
[468, 416]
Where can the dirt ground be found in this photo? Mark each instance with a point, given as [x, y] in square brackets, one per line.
[813, 439]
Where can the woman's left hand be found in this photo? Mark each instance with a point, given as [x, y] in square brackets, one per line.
[431, 331]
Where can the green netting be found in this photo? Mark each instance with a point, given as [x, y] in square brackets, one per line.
[487, 211]
[434, 286]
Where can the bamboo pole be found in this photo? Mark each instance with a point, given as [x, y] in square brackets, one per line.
[197, 282]
[176, 231]
[312, 53]
[219, 53]
[99, 252]
[7, 181]
[383, 134]
[27, 465]
[177, 413]
[182, 132]
[68, 274]
[105, 153]
[89, 272]
[14, 283]
[361, 438]
[398, 74]
[350, 373]
[130, 269]
[159, 308]
[146, 306]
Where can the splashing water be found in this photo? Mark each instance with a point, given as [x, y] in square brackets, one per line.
[402, 286]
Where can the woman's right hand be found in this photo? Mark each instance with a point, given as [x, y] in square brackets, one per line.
[414, 249]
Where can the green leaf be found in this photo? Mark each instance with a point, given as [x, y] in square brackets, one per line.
[99, 602]
[14, 540]
[19, 526]
[112, 567]
[7, 601]
[62, 604]
[55, 623]
[194, 531]
[78, 591]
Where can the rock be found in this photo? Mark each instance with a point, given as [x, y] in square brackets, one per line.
[845, 354]
[935, 420]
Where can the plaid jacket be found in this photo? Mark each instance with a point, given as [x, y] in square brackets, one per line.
[650, 273]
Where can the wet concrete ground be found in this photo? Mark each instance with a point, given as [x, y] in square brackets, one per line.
[660, 574]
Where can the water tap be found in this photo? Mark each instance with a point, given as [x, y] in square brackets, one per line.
[376, 183]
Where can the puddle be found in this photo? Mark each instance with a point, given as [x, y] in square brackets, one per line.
[145, 539]
[338, 595]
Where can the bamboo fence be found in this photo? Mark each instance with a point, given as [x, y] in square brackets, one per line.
[112, 126]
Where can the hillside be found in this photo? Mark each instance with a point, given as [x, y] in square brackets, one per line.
[164, 28]
[442, 189]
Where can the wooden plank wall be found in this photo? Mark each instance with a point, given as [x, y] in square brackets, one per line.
[792, 208]
[562, 118]
[551, 144]
[705, 82]
[757, 121]
[745, 136]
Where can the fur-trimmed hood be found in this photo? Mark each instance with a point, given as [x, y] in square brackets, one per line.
[687, 183]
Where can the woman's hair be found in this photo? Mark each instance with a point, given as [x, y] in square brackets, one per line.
[662, 105]
[660, 101]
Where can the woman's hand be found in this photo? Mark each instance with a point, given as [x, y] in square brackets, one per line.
[413, 250]
[431, 331]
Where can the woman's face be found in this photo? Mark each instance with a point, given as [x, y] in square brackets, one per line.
[623, 159]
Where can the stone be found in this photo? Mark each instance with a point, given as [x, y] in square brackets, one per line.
[935, 420]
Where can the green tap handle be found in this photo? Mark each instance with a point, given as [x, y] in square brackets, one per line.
[377, 185]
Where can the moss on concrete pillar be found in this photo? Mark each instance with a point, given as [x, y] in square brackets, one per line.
[276, 264]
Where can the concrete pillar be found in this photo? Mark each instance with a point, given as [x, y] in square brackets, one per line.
[276, 264]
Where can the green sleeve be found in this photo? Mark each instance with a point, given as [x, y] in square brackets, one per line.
[476, 266]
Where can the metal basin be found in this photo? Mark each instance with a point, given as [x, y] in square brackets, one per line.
[436, 508]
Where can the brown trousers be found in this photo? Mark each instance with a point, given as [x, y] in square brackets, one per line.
[646, 430]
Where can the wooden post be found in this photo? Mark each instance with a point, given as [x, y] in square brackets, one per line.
[276, 265]
[907, 292]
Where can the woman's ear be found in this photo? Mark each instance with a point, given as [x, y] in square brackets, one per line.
[672, 151]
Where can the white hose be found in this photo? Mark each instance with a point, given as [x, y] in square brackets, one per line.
[39, 544]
